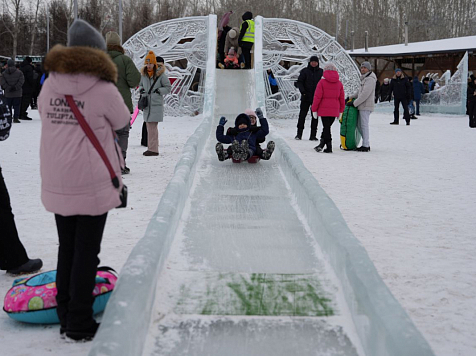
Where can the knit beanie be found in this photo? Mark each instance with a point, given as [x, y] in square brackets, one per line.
[232, 33]
[231, 51]
[150, 58]
[113, 39]
[250, 112]
[314, 59]
[83, 34]
[330, 66]
[366, 65]
[11, 63]
[398, 70]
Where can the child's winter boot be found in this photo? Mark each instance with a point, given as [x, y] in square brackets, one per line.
[244, 150]
[269, 150]
[220, 151]
[236, 149]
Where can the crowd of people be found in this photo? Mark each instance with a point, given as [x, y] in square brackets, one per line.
[93, 73]
[21, 84]
[235, 44]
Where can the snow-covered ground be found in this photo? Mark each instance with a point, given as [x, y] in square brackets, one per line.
[410, 201]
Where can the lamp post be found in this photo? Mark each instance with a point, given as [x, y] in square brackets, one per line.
[75, 9]
[120, 20]
[47, 28]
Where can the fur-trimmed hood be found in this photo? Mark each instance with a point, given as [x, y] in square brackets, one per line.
[115, 48]
[158, 73]
[81, 60]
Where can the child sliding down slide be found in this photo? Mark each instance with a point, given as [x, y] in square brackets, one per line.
[244, 138]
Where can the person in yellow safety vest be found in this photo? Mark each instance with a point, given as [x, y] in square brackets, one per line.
[247, 37]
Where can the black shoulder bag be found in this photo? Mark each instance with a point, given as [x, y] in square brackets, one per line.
[143, 100]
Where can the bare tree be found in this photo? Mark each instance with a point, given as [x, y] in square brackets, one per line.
[13, 8]
[35, 26]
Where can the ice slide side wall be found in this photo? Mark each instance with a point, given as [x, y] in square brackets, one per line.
[128, 314]
[383, 326]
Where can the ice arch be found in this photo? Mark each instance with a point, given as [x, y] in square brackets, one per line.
[294, 41]
[176, 41]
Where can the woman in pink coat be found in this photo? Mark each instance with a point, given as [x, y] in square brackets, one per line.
[75, 183]
[328, 103]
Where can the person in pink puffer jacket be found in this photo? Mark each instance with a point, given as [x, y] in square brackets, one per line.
[75, 183]
[328, 103]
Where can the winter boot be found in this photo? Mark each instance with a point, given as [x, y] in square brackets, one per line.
[313, 135]
[236, 150]
[320, 146]
[220, 151]
[328, 147]
[28, 267]
[269, 150]
[245, 150]
[85, 334]
[298, 135]
[394, 123]
[363, 149]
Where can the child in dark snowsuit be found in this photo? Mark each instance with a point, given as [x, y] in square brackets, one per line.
[268, 151]
[243, 138]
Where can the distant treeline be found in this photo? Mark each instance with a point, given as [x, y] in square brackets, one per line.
[23, 22]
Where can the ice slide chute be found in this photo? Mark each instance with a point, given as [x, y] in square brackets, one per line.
[249, 259]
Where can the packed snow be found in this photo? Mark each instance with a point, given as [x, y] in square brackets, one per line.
[410, 201]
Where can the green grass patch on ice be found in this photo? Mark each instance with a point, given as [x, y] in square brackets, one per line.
[256, 294]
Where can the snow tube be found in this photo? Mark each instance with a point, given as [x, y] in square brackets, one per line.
[33, 299]
[349, 135]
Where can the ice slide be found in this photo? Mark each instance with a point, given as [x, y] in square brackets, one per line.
[244, 259]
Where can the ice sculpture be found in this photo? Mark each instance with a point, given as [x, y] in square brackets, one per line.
[450, 98]
[293, 41]
[175, 41]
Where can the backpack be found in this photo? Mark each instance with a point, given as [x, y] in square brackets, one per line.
[5, 118]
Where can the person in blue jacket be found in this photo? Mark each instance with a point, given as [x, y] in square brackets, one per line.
[273, 83]
[418, 90]
[243, 140]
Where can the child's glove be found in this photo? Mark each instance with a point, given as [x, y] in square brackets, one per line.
[259, 113]
[223, 121]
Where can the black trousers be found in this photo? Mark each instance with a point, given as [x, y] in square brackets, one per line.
[12, 252]
[396, 113]
[14, 106]
[472, 114]
[144, 138]
[79, 246]
[25, 103]
[327, 122]
[246, 51]
[304, 109]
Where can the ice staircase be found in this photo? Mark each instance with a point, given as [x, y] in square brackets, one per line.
[250, 259]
